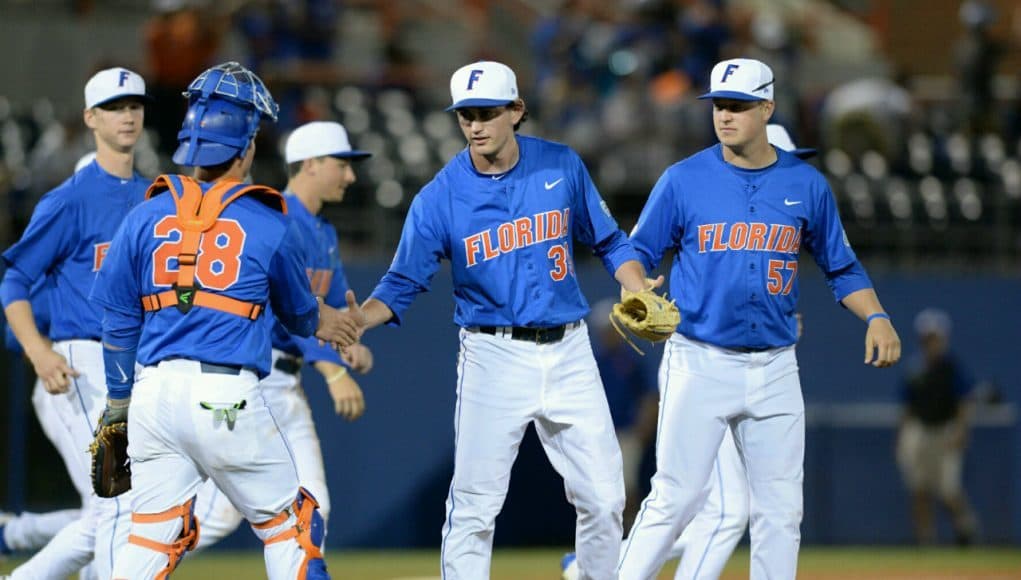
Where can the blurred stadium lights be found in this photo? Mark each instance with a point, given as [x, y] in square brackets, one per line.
[389, 194]
[969, 203]
[931, 191]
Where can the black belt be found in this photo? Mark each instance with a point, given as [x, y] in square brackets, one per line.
[529, 333]
[749, 349]
[288, 364]
[213, 369]
[220, 369]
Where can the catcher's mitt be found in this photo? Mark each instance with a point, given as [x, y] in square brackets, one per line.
[646, 315]
[111, 468]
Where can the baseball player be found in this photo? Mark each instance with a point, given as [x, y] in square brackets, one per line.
[30, 531]
[505, 212]
[319, 157]
[710, 538]
[737, 214]
[183, 291]
[66, 241]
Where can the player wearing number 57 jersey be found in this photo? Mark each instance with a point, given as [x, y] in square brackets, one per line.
[505, 212]
[183, 290]
[738, 214]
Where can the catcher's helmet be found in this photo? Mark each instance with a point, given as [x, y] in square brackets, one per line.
[225, 105]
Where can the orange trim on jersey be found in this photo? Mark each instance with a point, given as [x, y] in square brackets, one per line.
[197, 212]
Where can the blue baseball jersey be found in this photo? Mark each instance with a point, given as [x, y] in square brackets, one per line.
[738, 234]
[509, 239]
[253, 253]
[325, 273]
[39, 297]
[68, 238]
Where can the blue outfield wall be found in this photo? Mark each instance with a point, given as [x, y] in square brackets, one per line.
[389, 472]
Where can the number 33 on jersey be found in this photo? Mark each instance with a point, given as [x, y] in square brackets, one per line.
[509, 237]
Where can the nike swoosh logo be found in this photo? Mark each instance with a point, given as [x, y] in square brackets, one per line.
[550, 186]
[124, 376]
[789, 202]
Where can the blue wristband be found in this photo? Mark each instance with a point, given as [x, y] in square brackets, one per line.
[875, 316]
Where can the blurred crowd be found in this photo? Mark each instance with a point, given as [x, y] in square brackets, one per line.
[923, 167]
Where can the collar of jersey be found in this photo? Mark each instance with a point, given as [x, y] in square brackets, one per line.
[135, 176]
[741, 171]
[296, 208]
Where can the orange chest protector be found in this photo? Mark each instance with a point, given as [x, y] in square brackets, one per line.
[197, 213]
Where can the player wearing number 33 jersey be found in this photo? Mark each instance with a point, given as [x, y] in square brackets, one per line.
[505, 212]
[738, 215]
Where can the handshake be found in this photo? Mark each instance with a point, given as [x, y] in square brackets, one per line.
[341, 327]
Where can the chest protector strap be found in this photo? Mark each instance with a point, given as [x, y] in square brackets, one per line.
[196, 214]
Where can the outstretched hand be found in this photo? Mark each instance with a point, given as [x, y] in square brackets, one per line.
[341, 328]
[882, 345]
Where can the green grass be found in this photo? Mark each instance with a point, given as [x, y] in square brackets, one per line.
[815, 563]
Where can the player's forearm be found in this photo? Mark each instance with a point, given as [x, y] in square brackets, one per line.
[863, 303]
[631, 275]
[21, 319]
[329, 370]
[121, 333]
[375, 313]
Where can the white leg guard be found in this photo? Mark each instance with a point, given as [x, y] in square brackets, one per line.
[157, 543]
[293, 541]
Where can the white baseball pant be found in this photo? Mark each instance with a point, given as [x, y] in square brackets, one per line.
[69, 420]
[285, 396]
[710, 538]
[176, 444]
[31, 531]
[708, 390]
[503, 385]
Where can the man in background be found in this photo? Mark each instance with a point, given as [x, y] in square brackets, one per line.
[934, 431]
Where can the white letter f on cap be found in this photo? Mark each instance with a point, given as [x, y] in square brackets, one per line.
[729, 71]
[474, 76]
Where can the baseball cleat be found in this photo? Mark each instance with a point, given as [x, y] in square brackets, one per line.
[569, 566]
[4, 549]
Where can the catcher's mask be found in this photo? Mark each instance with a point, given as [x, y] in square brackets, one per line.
[225, 106]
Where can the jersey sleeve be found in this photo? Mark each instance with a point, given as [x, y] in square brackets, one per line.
[419, 253]
[116, 286]
[289, 290]
[593, 224]
[656, 231]
[50, 237]
[826, 240]
[312, 351]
